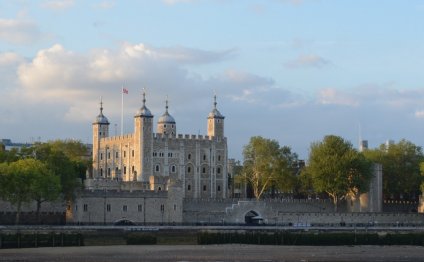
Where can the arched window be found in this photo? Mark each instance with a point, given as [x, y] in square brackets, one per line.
[173, 169]
[204, 170]
[189, 156]
[101, 171]
[189, 169]
[189, 187]
[204, 157]
[218, 170]
[157, 168]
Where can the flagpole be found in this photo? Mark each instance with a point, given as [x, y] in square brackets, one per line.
[122, 110]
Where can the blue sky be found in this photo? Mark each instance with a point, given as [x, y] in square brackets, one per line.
[291, 70]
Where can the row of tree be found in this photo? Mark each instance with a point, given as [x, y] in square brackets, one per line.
[42, 172]
[334, 167]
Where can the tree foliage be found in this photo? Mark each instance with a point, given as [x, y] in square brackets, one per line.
[267, 165]
[401, 168]
[67, 160]
[26, 180]
[336, 168]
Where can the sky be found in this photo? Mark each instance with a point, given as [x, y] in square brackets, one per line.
[289, 70]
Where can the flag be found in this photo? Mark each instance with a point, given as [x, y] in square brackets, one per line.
[124, 90]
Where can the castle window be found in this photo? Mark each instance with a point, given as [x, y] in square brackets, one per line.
[108, 172]
[175, 207]
[164, 126]
[188, 169]
[101, 156]
[125, 170]
[132, 169]
[204, 187]
[85, 207]
[101, 171]
[108, 207]
[159, 189]
[162, 207]
[169, 154]
[116, 171]
[116, 155]
[173, 169]
[219, 157]
[125, 153]
[188, 187]
[124, 208]
[204, 170]
[204, 157]
[132, 153]
[219, 188]
[218, 170]
[140, 208]
[189, 156]
[157, 168]
[108, 155]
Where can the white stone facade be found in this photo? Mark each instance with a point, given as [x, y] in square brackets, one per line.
[198, 161]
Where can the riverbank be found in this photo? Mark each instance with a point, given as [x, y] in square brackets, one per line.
[233, 252]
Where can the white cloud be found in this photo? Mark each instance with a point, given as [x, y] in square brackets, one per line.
[307, 61]
[58, 4]
[336, 97]
[19, 31]
[10, 58]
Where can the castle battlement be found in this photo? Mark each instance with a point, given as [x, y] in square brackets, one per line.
[183, 137]
[117, 138]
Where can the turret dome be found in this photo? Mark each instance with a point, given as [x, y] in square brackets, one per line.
[166, 118]
[144, 111]
[101, 119]
[215, 113]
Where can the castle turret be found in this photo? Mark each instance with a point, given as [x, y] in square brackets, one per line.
[215, 122]
[100, 130]
[166, 123]
[143, 144]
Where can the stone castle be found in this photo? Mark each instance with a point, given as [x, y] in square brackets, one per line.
[150, 159]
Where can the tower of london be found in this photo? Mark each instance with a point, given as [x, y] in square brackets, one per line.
[148, 159]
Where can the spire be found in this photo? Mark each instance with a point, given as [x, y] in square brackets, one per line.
[214, 101]
[101, 106]
[166, 105]
[144, 97]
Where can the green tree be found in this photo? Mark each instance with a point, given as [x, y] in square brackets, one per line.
[66, 159]
[401, 168]
[8, 155]
[266, 165]
[17, 181]
[45, 186]
[336, 168]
